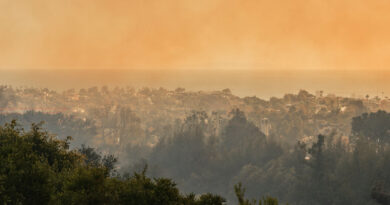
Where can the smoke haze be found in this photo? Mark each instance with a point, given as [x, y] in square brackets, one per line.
[172, 34]
[263, 84]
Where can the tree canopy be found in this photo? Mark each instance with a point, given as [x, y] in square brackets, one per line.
[37, 168]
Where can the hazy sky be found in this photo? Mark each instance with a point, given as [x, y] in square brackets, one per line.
[191, 34]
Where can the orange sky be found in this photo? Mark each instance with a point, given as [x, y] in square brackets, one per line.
[191, 34]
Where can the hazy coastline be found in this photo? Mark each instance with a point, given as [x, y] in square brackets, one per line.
[260, 83]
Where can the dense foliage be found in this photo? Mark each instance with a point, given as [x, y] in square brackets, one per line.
[330, 169]
[36, 168]
[302, 149]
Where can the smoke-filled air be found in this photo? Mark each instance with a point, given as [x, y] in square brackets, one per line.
[205, 102]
